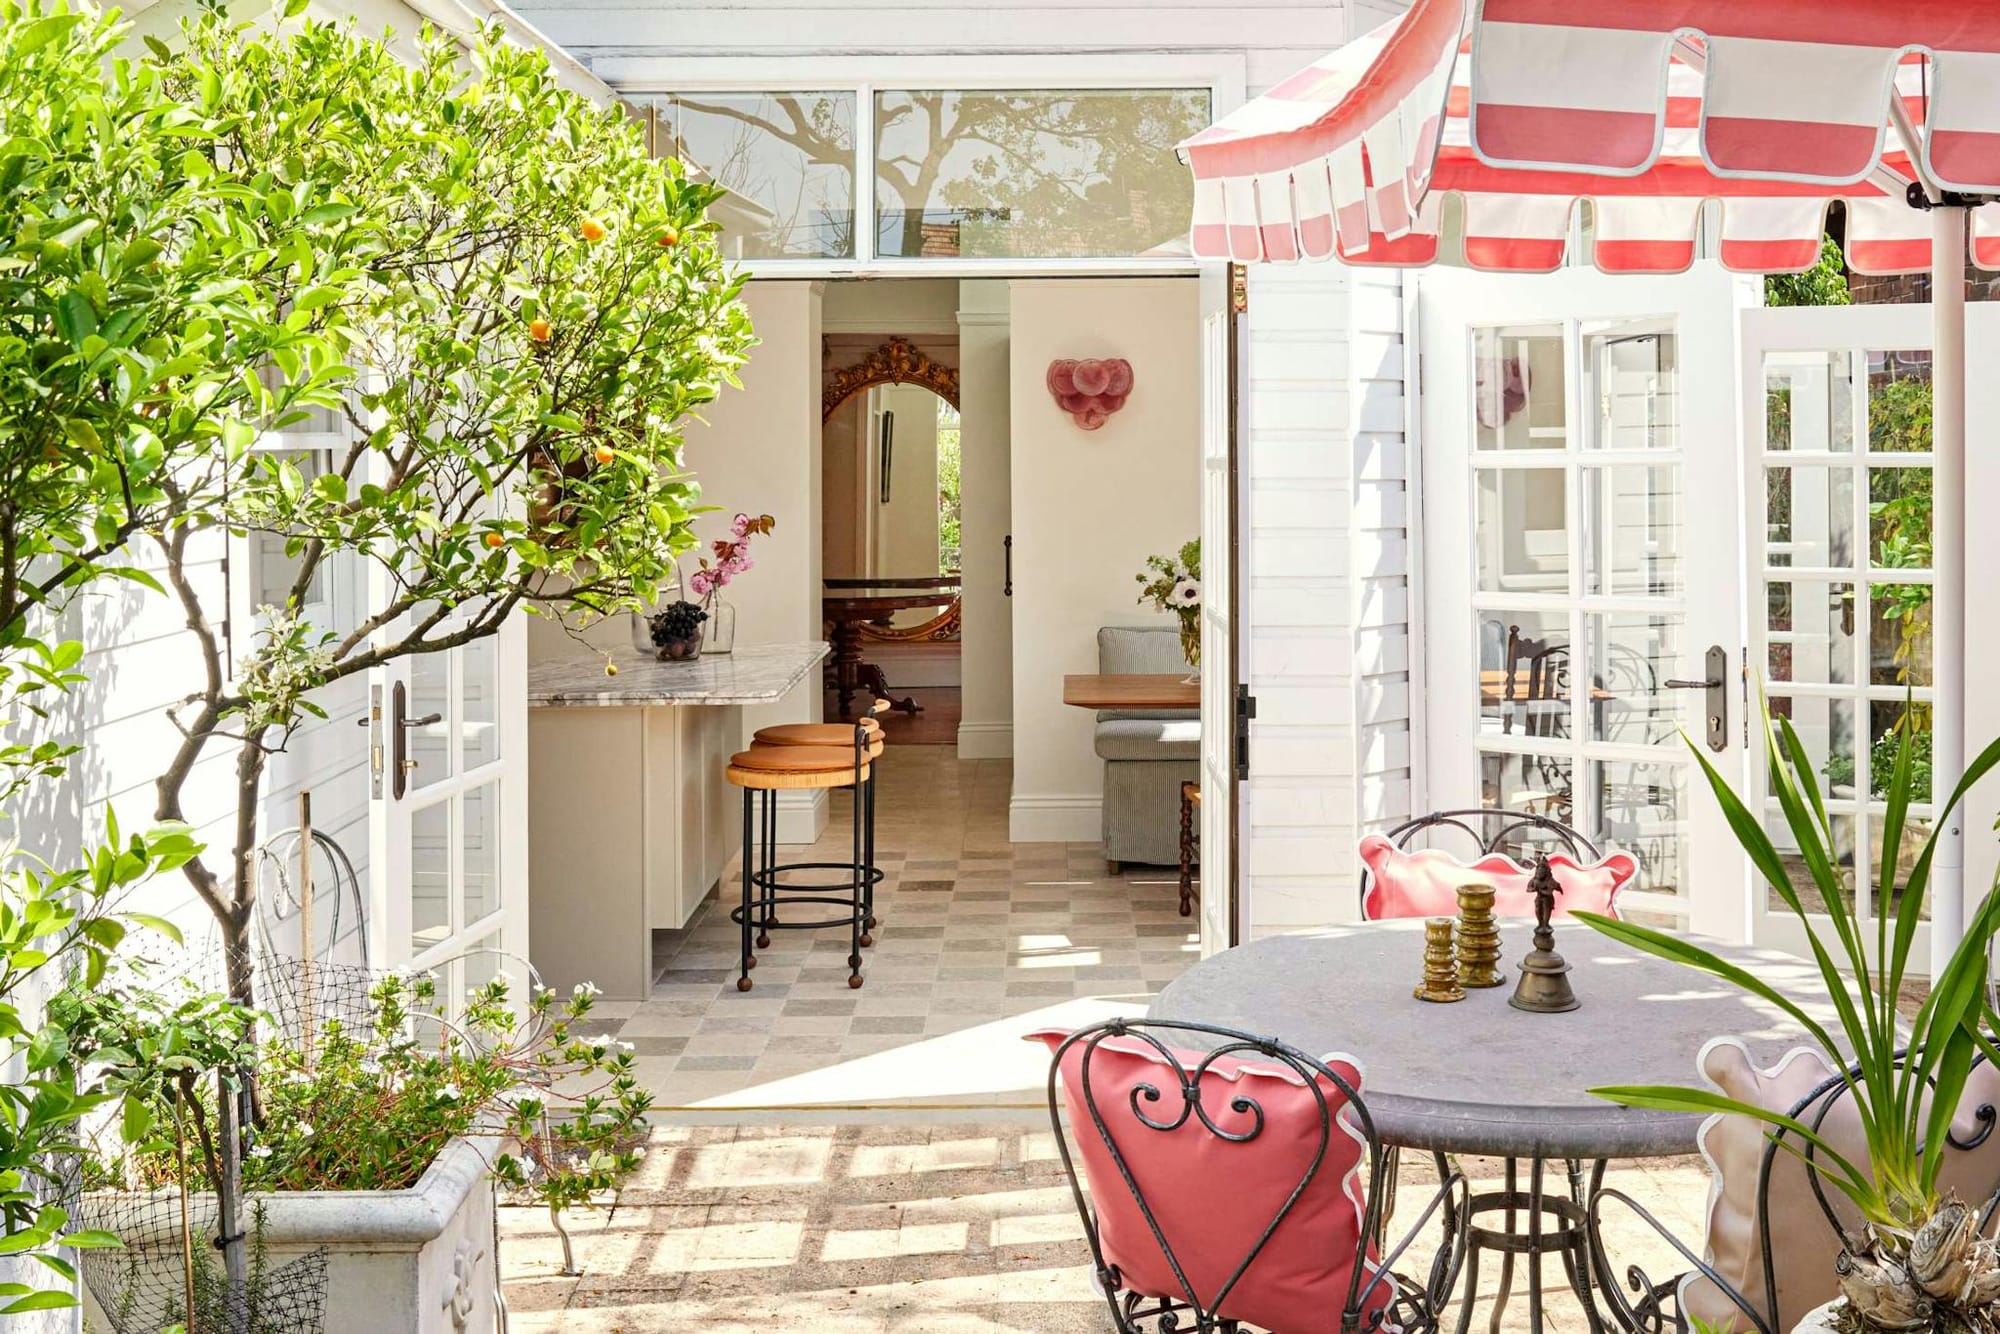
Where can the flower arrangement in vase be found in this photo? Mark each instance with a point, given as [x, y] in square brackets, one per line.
[1173, 584]
[732, 557]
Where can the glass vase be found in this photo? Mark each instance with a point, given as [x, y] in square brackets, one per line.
[655, 643]
[1191, 646]
[719, 631]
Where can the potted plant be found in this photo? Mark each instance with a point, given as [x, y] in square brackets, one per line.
[1917, 1260]
[368, 1169]
[1173, 584]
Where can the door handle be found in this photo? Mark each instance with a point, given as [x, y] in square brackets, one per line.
[1716, 707]
[399, 770]
[1007, 545]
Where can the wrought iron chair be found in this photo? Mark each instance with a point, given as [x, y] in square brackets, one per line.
[1655, 1307]
[1375, 1295]
[1519, 834]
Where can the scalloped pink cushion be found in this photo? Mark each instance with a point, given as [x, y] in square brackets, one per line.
[1214, 1198]
[1424, 882]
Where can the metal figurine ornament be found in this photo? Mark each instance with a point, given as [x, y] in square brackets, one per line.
[1544, 986]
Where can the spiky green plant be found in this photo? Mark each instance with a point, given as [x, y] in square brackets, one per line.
[1905, 1081]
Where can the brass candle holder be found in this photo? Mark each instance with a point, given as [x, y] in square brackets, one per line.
[1478, 938]
[1440, 963]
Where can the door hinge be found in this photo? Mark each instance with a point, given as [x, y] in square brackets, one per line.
[1246, 709]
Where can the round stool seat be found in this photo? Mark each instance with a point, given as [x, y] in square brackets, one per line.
[820, 734]
[790, 767]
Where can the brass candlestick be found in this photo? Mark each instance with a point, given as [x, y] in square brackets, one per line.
[1440, 963]
[1544, 986]
[1478, 940]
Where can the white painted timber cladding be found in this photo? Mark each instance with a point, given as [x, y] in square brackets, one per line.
[141, 659]
[1328, 599]
[1327, 602]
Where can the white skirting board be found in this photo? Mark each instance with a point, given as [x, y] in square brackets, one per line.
[801, 816]
[1055, 819]
[986, 741]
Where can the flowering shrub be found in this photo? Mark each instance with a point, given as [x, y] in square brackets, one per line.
[371, 1112]
[371, 1108]
[732, 556]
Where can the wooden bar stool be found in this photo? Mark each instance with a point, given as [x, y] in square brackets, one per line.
[763, 772]
[846, 735]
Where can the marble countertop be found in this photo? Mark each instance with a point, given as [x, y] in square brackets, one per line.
[755, 674]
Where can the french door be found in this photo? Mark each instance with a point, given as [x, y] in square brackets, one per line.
[451, 812]
[1836, 404]
[1582, 566]
[1220, 907]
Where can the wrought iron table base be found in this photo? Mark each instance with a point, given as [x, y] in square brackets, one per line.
[1557, 1224]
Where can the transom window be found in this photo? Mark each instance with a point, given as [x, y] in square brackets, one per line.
[1046, 175]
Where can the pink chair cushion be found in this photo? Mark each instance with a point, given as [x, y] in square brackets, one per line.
[1806, 1247]
[1213, 1197]
[1424, 882]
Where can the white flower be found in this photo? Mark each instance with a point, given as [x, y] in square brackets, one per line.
[1187, 593]
[639, 1152]
[602, 1040]
[305, 1130]
[260, 1151]
[448, 1092]
[588, 989]
[578, 1163]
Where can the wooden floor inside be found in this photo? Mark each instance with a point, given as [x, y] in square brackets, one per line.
[925, 673]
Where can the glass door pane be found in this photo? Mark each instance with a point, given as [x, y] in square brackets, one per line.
[1579, 595]
[1845, 556]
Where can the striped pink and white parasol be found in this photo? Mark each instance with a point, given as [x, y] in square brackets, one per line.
[1649, 109]
[1646, 109]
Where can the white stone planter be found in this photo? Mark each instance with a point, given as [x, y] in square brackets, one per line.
[420, 1260]
[1821, 1319]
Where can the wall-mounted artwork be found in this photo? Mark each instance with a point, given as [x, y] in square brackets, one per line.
[1090, 390]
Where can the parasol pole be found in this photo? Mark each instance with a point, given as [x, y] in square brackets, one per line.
[1948, 240]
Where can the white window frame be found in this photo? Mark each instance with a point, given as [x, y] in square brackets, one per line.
[1223, 74]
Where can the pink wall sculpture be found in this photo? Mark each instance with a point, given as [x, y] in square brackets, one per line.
[1090, 390]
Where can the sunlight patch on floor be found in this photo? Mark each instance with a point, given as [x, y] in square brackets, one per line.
[989, 1064]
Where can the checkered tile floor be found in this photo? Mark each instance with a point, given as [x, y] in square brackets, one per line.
[980, 940]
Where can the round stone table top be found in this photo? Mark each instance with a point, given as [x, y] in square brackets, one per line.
[1478, 1075]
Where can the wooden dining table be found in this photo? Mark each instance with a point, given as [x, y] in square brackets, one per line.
[1131, 690]
[849, 604]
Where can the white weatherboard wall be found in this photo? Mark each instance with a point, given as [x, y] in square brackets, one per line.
[1328, 588]
[1089, 507]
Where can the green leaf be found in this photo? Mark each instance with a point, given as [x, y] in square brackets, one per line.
[38, 33]
[48, 1299]
[91, 1239]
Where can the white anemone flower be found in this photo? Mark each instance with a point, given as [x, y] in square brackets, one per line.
[1187, 593]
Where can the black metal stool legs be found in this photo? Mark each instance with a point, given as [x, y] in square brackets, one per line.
[767, 834]
[749, 878]
[866, 792]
